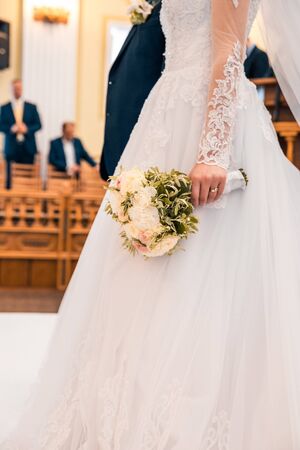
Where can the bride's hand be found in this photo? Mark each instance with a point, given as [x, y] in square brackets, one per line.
[208, 183]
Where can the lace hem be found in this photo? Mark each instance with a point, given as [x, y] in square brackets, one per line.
[156, 427]
[217, 437]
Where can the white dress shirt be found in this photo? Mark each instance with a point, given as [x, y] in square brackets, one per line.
[250, 49]
[18, 109]
[69, 153]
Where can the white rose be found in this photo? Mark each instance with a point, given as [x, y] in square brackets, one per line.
[134, 5]
[115, 201]
[141, 7]
[131, 180]
[144, 196]
[164, 247]
[146, 9]
[115, 183]
[145, 218]
[131, 230]
[146, 237]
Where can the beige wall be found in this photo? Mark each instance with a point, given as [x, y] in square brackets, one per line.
[256, 35]
[11, 10]
[90, 99]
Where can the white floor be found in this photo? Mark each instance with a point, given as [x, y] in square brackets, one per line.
[23, 342]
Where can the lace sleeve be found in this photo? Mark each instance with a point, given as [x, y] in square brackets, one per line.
[229, 23]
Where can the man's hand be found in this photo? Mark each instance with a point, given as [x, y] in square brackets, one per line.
[208, 183]
[14, 129]
[22, 128]
[19, 128]
[74, 170]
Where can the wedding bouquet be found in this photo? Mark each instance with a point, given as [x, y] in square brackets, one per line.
[139, 11]
[154, 208]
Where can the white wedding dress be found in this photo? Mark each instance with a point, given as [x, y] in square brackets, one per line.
[200, 350]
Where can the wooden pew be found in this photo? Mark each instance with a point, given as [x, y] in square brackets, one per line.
[31, 239]
[59, 181]
[2, 174]
[82, 208]
[274, 100]
[90, 181]
[25, 176]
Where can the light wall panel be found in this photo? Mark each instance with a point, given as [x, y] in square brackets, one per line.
[50, 67]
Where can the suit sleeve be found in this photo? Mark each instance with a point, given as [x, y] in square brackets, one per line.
[263, 66]
[86, 156]
[36, 124]
[54, 160]
[5, 125]
[229, 24]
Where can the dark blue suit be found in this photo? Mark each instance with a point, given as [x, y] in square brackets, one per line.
[57, 156]
[131, 78]
[22, 152]
[257, 64]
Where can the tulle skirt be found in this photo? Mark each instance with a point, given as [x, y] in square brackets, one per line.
[197, 351]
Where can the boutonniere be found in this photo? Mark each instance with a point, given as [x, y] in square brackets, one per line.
[139, 11]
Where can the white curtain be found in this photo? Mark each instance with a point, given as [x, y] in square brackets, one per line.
[280, 27]
[50, 68]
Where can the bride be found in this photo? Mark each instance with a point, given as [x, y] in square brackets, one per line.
[200, 350]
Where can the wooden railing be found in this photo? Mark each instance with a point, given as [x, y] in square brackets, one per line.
[284, 122]
[274, 99]
[290, 132]
[82, 209]
[31, 238]
[25, 176]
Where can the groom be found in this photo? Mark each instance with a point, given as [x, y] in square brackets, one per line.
[132, 76]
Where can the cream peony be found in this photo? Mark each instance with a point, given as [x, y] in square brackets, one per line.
[131, 181]
[145, 218]
[163, 247]
[145, 237]
[132, 232]
[115, 203]
[144, 196]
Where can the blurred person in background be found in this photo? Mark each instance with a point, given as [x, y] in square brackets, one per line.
[67, 152]
[135, 71]
[19, 121]
[257, 62]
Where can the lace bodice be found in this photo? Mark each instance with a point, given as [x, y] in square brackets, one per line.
[211, 33]
[187, 27]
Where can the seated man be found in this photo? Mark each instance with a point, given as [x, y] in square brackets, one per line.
[257, 62]
[67, 152]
